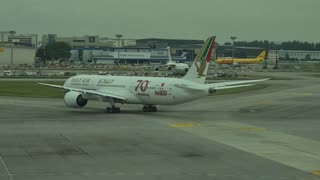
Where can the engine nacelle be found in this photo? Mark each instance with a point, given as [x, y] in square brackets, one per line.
[186, 69]
[75, 99]
[169, 68]
[156, 68]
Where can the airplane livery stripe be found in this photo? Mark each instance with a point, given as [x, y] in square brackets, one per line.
[206, 49]
[208, 57]
[200, 55]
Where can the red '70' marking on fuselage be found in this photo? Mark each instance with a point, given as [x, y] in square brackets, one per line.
[142, 84]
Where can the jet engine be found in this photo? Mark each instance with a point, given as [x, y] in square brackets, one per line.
[75, 99]
[156, 68]
[169, 68]
[186, 69]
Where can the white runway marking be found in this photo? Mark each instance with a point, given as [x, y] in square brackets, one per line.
[6, 168]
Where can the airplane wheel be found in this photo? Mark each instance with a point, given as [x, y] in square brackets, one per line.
[145, 109]
[113, 110]
[154, 109]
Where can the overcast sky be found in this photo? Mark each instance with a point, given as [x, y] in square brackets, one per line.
[277, 20]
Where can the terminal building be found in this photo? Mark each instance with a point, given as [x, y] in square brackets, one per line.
[21, 46]
[20, 55]
[295, 55]
[88, 41]
[29, 40]
[104, 50]
[124, 55]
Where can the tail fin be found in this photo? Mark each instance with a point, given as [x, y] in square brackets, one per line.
[199, 68]
[261, 56]
[169, 55]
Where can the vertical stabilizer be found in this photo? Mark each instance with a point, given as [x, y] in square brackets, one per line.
[261, 56]
[199, 68]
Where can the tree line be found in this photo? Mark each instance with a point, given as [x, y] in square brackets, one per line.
[54, 51]
[288, 45]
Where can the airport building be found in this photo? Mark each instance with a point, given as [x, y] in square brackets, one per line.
[20, 54]
[29, 40]
[20, 47]
[295, 54]
[125, 55]
[103, 50]
[88, 41]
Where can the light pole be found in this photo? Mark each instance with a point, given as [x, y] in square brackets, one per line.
[119, 36]
[233, 38]
[276, 64]
[42, 60]
[11, 57]
[265, 59]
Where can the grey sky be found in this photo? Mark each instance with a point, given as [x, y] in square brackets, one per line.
[277, 20]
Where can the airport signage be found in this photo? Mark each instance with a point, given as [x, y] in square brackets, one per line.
[132, 55]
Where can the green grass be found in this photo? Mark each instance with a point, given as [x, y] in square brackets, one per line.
[30, 89]
[315, 75]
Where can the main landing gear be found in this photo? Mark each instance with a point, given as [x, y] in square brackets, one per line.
[113, 109]
[149, 108]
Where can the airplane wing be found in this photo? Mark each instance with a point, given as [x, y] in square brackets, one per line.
[51, 85]
[165, 65]
[234, 84]
[104, 93]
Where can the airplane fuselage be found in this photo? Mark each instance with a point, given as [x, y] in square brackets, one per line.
[140, 90]
[242, 61]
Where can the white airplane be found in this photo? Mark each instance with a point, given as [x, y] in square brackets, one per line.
[171, 65]
[148, 91]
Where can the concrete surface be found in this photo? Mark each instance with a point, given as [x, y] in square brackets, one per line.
[266, 134]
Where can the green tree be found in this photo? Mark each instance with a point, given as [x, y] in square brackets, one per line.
[41, 53]
[58, 50]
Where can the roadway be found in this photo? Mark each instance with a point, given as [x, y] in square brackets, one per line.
[266, 134]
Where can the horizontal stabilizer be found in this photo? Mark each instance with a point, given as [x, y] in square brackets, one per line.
[230, 87]
[215, 85]
[184, 86]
